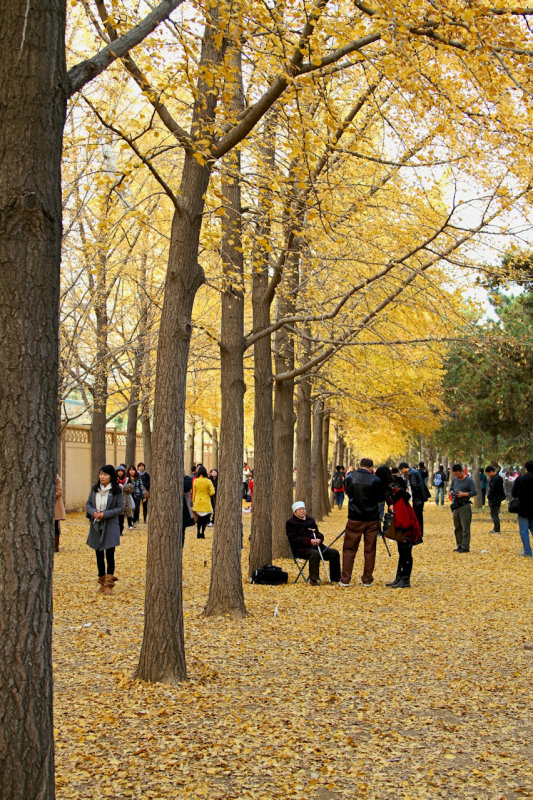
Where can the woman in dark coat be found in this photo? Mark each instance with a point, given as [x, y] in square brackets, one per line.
[405, 520]
[104, 506]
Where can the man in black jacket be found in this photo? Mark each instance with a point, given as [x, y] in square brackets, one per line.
[495, 496]
[523, 490]
[364, 492]
[306, 541]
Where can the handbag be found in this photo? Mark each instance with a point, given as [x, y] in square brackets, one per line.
[514, 505]
[270, 575]
[389, 529]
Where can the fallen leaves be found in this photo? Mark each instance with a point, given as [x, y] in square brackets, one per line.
[370, 693]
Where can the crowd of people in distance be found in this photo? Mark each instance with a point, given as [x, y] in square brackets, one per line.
[120, 493]
[404, 490]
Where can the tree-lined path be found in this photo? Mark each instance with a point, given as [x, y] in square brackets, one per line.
[369, 693]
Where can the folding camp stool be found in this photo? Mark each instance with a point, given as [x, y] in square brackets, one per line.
[300, 568]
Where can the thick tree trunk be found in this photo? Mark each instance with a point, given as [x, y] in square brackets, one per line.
[32, 98]
[162, 656]
[261, 534]
[317, 467]
[225, 591]
[304, 464]
[282, 497]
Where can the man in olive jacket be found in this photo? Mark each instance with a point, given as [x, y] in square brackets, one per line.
[364, 492]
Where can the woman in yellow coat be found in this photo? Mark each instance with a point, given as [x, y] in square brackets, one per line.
[202, 492]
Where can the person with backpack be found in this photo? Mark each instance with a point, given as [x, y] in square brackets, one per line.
[337, 486]
[439, 482]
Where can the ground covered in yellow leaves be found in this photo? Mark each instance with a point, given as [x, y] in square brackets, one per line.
[358, 693]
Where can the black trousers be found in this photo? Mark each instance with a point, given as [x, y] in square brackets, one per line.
[202, 523]
[419, 512]
[330, 554]
[101, 559]
[145, 509]
[495, 515]
[405, 560]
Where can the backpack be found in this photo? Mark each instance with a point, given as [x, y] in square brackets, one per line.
[338, 481]
[269, 575]
[438, 479]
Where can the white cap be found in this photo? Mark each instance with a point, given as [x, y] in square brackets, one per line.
[297, 505]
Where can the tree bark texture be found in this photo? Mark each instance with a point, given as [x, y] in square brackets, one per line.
[226, 594]
[33, 103]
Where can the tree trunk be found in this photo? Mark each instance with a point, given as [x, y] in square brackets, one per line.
[138, 367]
[304, 466]
[325, 477]
[32, 98]
[225, 591]
[284, 412]
[162, 656]
[215, 448]
[133, 416]
[316, 462]
[477, 480]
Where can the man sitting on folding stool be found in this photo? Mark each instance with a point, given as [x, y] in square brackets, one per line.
[307, 542]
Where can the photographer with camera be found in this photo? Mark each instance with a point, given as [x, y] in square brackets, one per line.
[462, 488]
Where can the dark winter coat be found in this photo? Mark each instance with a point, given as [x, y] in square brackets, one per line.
[105, 533]
[364, 491]
[523, 489]
[300, 532]
[495, 491]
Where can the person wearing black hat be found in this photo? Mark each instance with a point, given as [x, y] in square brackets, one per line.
[104, 506]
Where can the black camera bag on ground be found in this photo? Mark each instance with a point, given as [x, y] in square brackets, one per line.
[270, 576]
